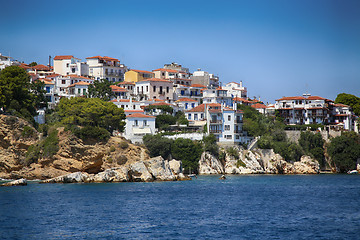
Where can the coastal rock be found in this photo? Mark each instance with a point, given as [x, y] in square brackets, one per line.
[119, 174]
[76, 177]
[19, 182]
[160, 169]
[307, 165]
[175, 166]
[209, 164]
[138, 172]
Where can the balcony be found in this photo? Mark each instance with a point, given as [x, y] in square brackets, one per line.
[238, 131]
[238, 121]
[215, 121]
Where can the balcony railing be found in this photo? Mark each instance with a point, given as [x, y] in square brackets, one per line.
[215, 121]
[215, 131]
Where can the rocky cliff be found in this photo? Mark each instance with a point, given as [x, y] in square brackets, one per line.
[256, 162]
[114, 160]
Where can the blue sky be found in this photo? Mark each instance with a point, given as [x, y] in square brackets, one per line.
[276, 47]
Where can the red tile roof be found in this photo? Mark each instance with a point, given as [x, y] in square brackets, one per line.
[201, 107]
[165, 70]
[340, 105]
[291, 98]
[115, 88]
[139, 115]
[80, 83]
[141, 71]
[258, 105]
[53, 75]
[77, 76]
[121, 100]
[63, 57]
[105, 58]
[41, 67]
[130, 111]
[186, 100]
[198, 85]
[126, 83]
[46, 81]
[160, 104]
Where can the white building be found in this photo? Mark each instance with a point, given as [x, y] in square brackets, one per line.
[217, 95]
[343, 116]
[6, 61]
[236, 89]
[127, 104]
[137, 126]
[205, 78]
[106, 68]
[185, 104]
[70, 65]
[78, 89]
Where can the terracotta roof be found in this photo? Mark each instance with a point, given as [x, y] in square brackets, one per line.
[221, 89]
[53, 75]
[198, 85]
[201, 107]
[158, 100]
[186, 100]
[160, 104]
[126, 83]
[41, 67]
[77, 76]
[139, 115]
[341, 115]
[291, 98]
[154, 80]
[182, 79]
[62, 57]
[104, 58]
[115, 88]
[130, 111]
[315, 98]
[258, 105]
[165, 70]
[141, 71]
[340, 105]
[46, 81]
[80, 83]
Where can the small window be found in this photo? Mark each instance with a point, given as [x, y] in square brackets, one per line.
[229, 118]
[147, 88]
[189, 116]
[73, 70]
[63, 81]
[154, 89]
[167, 89]
[67, 65]
[145, 123]
[227, 127]
[136, 122]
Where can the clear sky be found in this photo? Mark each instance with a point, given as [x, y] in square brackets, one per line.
[276, 47]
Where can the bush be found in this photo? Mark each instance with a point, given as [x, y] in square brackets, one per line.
[28, 132]
[112, 149]
[123, 145]
[240, 163]
[188, 152]
[164, 121]
[87, 132]
[233, 152]
[158, 146]
[210, 145]
[121, 160]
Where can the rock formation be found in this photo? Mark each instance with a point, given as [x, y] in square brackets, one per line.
[256, 162]
[19, 182]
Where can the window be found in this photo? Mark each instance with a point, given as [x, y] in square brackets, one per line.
[195, 116]
[167, 89]
[122, 106]
[136, 122]
[227, 127]
[189, 116]
[186, 105]
[154, 89]
[228, 136]
[145, 123]
[193, 105]
[48, 89]
[229, 118]
[237, 137]
[67, 65]
[84, 91]
[63, 81]
[142, 89]
[202, 116]
[147, 88]
[73, 70]
[138, 90]
[79, 91]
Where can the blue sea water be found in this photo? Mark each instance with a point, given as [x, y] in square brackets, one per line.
[240, 207]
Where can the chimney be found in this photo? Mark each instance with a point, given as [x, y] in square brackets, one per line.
[241, 84]
[49, 61]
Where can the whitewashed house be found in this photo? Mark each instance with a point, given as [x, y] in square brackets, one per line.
[70, 65]
[106, 68]
[137, 126]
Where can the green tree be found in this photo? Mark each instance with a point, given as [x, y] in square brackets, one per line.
[344, 151]
[210, 145]
[188, 151]
[351, 100]
[92, 112]
[14, 86]
[164, 120]
[312, 145]
[33, 64]
[158, 145]
[38, 92]
[101, 89]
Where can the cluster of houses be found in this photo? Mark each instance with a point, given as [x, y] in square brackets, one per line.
[208, 105]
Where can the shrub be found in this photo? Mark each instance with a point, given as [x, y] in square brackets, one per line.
[240, 163]
[87, 132]
[188, 151]
[122, 159]
[112, 149]
[233, 152]
[210, 145]
[123, 145]
[158, 146]
[28, 132]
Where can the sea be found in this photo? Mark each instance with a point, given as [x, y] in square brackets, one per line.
[325, 206]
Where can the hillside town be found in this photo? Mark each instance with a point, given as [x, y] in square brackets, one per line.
[209, 105]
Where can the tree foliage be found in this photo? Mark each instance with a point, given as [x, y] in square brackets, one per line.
[351, 100]
[91, 112]
[312, 145]
[158, 145]
[188, 151]
[163, 121]
[345, 151]
[101, 89]
[210, 145]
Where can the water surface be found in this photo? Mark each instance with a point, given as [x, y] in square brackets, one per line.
[240, 207]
